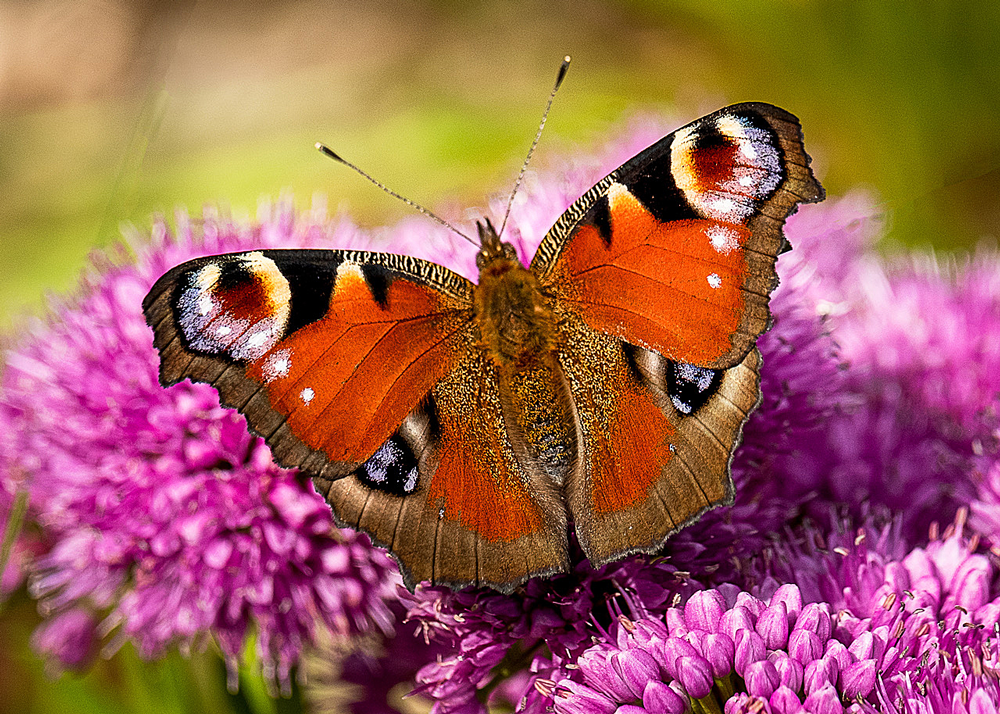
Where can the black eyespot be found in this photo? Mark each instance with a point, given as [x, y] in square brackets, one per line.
[690, 387]
[392, 469]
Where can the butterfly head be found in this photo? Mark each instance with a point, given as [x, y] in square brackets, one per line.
[491, 248]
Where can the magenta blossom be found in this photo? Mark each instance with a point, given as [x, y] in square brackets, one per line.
[918, 633]
[165, 521]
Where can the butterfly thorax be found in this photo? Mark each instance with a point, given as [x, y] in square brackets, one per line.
[516, 323]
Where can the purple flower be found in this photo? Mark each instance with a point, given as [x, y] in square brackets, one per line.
[689, 659]
[166, 520]
[542, 626]
[921, 388]
[918, 630]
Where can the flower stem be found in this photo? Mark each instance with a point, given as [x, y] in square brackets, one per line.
[15, 522]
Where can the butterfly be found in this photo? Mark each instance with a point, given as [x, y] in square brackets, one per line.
[467, 427]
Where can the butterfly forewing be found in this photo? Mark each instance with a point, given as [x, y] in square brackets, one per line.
[675, 250]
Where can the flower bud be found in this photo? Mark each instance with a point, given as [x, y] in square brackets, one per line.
[667, 654]
[659, 697]
[772, 626]
[791, 597]
[862, 647]
[571, 697]
[824, 701]
[749, 649]
[752, 604]
[720, 652]
[815, 618]
[858, 679]
[704, 609]
[836, 651]
[676, 625]
[762, 679]
[818, 674]
[785, 701]
[695, 676]
[790, 670]
[735, 620]
[805, 646]
[596, 667]
[635, 667]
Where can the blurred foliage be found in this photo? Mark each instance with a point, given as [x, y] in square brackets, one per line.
[222, 102]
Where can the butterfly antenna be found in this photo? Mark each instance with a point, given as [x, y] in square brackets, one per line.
[545, 115]
[336, 157]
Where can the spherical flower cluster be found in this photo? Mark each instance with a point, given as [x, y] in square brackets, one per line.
[725, 649]
[930, 618]
[164, 520]
[929, 627]
[922, 389]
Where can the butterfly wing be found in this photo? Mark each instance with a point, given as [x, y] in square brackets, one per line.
[362, 370]
[660, 277]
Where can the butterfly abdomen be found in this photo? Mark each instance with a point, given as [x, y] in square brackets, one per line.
[517, 329]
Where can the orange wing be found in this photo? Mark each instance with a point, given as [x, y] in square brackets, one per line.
[362, 369]
[675, 250]
[660, 277]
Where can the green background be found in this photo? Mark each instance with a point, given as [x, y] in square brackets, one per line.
[110, 111]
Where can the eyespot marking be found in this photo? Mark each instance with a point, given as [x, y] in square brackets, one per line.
[236, 306]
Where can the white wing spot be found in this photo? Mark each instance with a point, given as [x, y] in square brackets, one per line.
[724, 240]
[714, 280]
[259, 338]
[307, 394]
[723, 205]
[277, 365]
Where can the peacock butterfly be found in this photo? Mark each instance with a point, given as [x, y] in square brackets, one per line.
[466, 427]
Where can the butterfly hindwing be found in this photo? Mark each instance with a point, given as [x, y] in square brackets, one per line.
[660, 276]
[482, 517]
[363, 370]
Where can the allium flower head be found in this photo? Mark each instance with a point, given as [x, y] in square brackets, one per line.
[917, 399]
[543, 626]
[166, 520]
[723, 649]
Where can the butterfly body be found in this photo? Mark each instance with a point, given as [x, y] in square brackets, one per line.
[467, 427]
